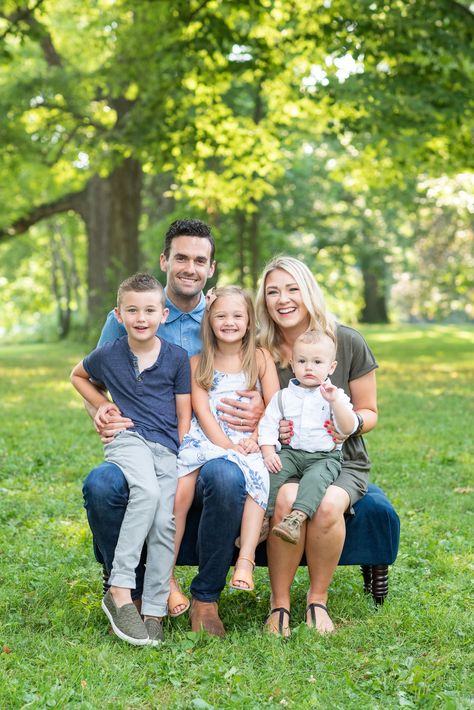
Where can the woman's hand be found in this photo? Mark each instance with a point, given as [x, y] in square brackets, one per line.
[285, 431]
[336, 436]
[242, 415]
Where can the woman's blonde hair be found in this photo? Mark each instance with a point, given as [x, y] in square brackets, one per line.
[205, 367]
[319, 316]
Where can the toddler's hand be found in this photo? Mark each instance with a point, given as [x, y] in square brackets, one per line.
[273, 463]
[329, 391]
[249, 445]
[102, 415]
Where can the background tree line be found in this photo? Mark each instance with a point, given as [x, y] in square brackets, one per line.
[337, 131]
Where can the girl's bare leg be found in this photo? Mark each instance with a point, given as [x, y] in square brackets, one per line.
[252, 519]
[283, 559]
[182, 503]
[325, 535]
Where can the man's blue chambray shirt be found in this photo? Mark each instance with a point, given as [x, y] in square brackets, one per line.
[147, 397]
[180, 328]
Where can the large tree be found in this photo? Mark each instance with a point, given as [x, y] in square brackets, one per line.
[221, 96]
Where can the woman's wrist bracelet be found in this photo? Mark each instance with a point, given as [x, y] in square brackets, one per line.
[358, 431]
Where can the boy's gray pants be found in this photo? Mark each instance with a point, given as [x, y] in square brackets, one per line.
[150, 471]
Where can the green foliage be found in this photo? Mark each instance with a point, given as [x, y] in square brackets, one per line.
[283, 124]
[414, 652]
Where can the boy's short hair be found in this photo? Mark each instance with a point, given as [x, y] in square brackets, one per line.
[311, 337]
[188, 228]
[140, 283]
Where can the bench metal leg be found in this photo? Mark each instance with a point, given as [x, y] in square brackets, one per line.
[376, 581]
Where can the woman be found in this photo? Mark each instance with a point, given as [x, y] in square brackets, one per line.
[289, 302]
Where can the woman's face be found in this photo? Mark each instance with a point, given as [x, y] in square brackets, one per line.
[284, 301]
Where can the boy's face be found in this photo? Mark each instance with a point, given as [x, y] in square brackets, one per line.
[313, 362]
[187, 267]
[141, 312]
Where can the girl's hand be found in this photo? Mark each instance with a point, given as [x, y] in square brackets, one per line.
[242, 415]
[285, 431]
[238, 448]
[332, 431]
[249, 445]
[273, 463]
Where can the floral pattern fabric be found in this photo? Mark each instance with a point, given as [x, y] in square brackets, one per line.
[196, 449]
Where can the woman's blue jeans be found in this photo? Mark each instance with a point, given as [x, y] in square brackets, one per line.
[220, 493]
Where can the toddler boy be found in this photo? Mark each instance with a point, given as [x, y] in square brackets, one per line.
[309, 401]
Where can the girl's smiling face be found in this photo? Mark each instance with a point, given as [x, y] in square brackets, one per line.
[284, 300]
[229, 318]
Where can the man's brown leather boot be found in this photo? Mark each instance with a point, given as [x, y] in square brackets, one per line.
[205, 617]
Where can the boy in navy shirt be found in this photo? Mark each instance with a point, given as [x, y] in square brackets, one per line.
[149, 382]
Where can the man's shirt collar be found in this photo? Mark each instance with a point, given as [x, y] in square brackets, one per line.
[196, 314]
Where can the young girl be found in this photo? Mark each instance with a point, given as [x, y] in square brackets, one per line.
[230, 361]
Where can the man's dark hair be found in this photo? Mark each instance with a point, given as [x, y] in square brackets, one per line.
[188, 228]
[139, 283]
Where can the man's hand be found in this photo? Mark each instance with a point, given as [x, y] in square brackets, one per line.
[249, 445]
[285, 431]
[242, 416]
[108, 421]
[273, 463]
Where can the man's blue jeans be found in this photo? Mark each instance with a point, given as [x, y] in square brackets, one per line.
[220, 492]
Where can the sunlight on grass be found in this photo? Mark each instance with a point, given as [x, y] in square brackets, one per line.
[411, 653]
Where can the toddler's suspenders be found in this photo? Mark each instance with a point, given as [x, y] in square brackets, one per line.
[280, 407]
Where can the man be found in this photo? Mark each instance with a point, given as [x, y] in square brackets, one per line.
[188, 261]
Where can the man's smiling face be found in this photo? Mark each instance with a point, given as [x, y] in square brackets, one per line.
[187, 267]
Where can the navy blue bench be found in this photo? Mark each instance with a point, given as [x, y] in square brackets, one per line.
[372, 538]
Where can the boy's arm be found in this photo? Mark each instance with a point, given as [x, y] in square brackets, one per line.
[183, 413]
[344, 415]
[270, 458]
[90, 392]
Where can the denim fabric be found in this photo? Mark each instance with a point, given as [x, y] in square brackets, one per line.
[220, 490]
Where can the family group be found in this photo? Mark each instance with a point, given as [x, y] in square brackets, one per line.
[260, 427]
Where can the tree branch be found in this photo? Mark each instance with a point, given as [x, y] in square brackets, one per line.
[463, 8]
[74, 201]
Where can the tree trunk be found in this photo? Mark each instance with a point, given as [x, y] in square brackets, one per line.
[373, 273]
[112, 213]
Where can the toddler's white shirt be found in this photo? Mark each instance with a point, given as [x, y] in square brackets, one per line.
[308, 410]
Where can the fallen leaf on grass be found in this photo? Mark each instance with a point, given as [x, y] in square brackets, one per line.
[6, 649]
[464, 489]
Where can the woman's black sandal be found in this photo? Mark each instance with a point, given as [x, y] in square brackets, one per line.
[281, 616]
[311, 608]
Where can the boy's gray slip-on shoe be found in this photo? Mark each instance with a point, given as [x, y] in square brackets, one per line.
[126, 622]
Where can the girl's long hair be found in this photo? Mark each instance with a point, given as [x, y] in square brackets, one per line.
[319, 317]
[205, 368]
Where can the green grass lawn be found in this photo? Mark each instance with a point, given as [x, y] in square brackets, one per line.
[415, 651]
